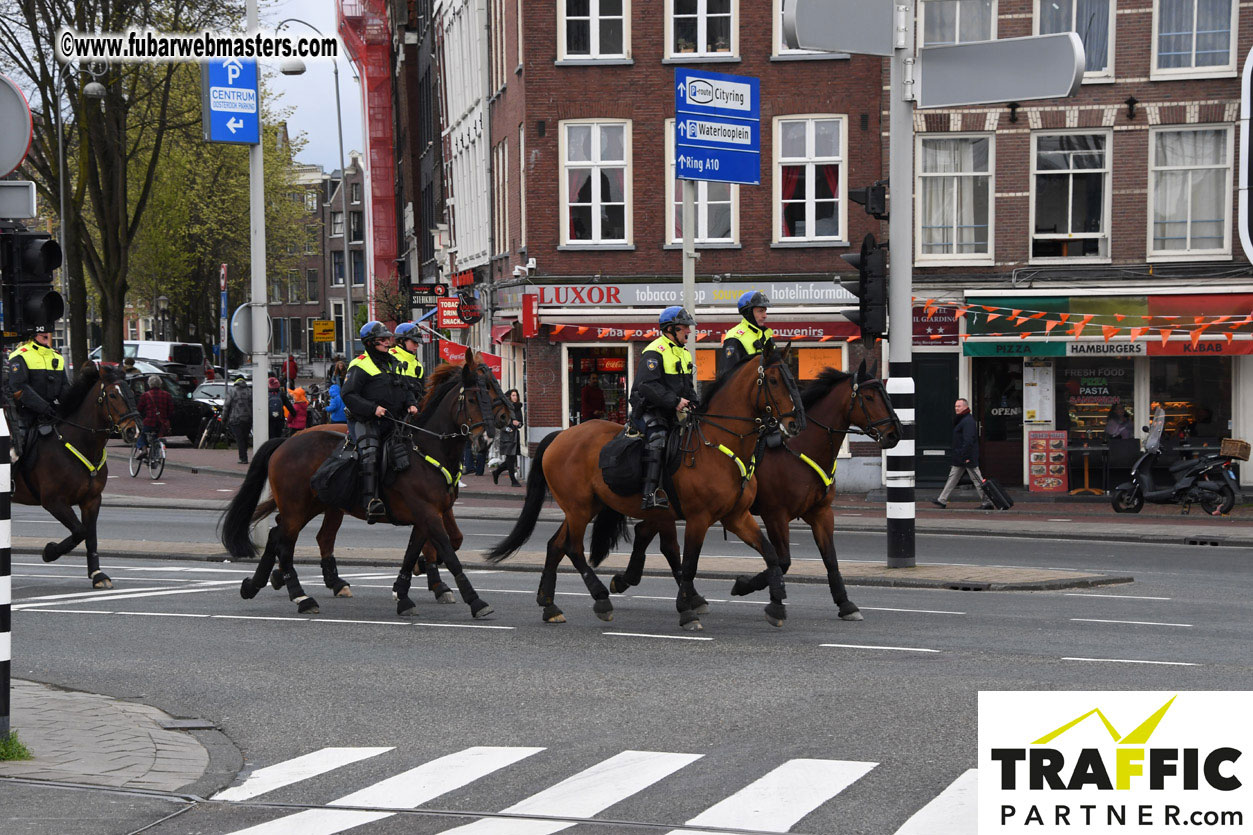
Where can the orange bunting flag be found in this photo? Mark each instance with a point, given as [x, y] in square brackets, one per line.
[1018, 322]
[826, 338]
[1049, 325]
[558, 328]
[933, 337]
[1077, 329]
[1024, 335]
[1063, 316]
[1230, 337]
[961, 311]
[1197, 334]
[1136, 333]
[1013, 314]
[1039, 315]
[1198, 319]
[1118, 317]
[1222, 319]
[989, 309]
[1166, 332]
[1088, 317]
[1109, 331]
[855, 337]
[964, 336]
[992, 316]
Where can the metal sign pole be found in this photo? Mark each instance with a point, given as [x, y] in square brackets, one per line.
[899, 461]
[689, 258]
[6, 581]
[261, 346]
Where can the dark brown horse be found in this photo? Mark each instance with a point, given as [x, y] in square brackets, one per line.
[712, 484]
[460, 406]
[68, 466]
[796, 481]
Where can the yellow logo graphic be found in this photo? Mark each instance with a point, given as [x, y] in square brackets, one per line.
[1137, 737]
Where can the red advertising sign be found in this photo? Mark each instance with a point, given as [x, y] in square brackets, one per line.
[456, 354]
[530, 315]
[463, 279]
[938, 329]
[611, 363]
[448, 316]
[1046, 461]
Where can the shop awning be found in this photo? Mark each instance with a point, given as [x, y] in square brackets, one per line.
[500, 331]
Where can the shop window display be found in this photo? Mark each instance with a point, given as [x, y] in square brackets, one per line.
[596, 379]
[1195, 393]
[1088, 391]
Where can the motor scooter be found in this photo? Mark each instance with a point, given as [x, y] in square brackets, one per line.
[1207, 480]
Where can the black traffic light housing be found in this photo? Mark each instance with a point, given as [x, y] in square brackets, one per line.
[874, 198]
[27, 263]
[870, 287]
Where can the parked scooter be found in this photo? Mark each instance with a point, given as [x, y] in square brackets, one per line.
[1207, 480]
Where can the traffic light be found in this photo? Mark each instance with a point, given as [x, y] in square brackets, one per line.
[27, 262]
[874, 198]
[870, 287]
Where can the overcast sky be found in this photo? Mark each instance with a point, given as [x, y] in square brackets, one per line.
[312, 95]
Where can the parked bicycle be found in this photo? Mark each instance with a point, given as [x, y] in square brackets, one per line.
[152, 454]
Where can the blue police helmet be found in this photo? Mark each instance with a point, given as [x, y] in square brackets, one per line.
[676, 315]
[374, 330]
[751, 299]
[407, 330]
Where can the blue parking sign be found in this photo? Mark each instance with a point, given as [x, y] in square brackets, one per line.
[717, 127]
[230, 102]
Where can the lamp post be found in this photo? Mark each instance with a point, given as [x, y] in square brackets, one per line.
[295, 66]
[163, 312]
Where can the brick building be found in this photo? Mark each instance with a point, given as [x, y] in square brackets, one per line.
[1119, 204]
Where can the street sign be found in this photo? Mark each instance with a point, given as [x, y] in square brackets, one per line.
[424, 295]
[16, 126]
[1246, 108]
[323, 330]
[229, 104]
[861, 26]
[241, 330]
[468, 308]
[995, 72]
[717, 127]
[448, 313]
[223, 321]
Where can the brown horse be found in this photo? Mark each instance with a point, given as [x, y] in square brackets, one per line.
[796, 481]
[68, 466]
[459, 407]
[713, 484]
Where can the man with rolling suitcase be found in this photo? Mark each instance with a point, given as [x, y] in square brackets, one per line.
[965, 456]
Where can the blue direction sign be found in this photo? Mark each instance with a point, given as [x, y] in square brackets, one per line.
[717, 127]
[230, 105]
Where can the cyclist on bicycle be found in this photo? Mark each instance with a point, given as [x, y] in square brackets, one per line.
[156, 406]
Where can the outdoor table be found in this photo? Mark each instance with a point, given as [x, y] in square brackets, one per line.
[1087, 449]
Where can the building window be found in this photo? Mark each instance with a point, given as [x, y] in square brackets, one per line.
[312, 289]
[1194, 37]
[780, 45]
[593, 28]
[955, 198]
[354, 192]
[595, 182]
[1190, 191]
[1070, 206]
[702, 27]
[358, 268]
[337, 224]
[295, 287]
[297, 335]
[337, 269]
[355, 225]
[276, 291]
[1093, 20]
[958, 21]
[500, 201]
[311, 244]
[522, 181]
[809, 178]
[717, 205]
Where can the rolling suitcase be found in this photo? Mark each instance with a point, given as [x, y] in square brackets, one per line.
[994, 491]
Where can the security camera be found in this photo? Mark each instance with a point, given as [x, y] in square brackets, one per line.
[530, 264]
[519, 272]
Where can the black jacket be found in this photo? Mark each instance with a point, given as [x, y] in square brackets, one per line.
[509, 436]
[965, 441]
[362, 391]
[655, 390]
[36, 378]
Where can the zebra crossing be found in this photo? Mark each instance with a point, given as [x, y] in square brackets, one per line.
[775, 802]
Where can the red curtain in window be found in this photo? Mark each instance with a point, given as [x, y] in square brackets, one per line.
[787, 189]
[832, 174]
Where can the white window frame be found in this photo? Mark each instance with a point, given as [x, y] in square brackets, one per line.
[336, 281]
[563, 52]
[733, 54]
[702, 207]
[354, 193]
[779, 49]
[1106, 197]
[1105, 76]
[295, 286]
[1227, 70]
[628, 199]
[776, 234]
[522, 184]
[922, 24]
[955, 259]
[1168, 255]
[337, 224]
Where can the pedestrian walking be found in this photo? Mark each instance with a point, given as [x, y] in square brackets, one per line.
[298, 416]
[290, 370]
[510, 441]
[335, 406]
[965, 455]
[337, 372]
[277, 406]
[237, 415]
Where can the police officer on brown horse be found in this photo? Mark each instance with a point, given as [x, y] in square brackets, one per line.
[750, 336]
[37, 380]
[662, 388]
[372, 389]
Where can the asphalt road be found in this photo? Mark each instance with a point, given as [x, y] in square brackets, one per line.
[512, 715]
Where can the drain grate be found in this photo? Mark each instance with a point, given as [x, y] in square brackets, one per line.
[1201, 540]
[188, 725]
[970, 586]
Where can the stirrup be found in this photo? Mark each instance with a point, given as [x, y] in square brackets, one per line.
[375, 508]
[656, 498]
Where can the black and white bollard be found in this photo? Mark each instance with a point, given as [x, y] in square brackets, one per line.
[6, 584]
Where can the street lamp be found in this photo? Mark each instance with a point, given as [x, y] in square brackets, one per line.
[163, 311]
[295, 66]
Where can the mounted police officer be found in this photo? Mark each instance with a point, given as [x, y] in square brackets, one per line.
[372, 389]
[750, 336]
[37, 379]
[406, 353]
[662, 388]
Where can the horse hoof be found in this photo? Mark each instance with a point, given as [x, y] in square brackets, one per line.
[344, 591]
[405, 606]
[446, 597]
[50, 552]
[553, 615]
[247, 589]
[618, 584]
[603, 610]
[479, 609]
[100, 580]
[776, 613]
[855, 614]
[276, 579]
[741, 587]
[700, 606]
[693, 625]
[308, 606]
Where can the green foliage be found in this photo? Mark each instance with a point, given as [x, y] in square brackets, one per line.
[11, 748]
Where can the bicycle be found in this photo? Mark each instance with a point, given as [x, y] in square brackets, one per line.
[155, 457]
[214, 431]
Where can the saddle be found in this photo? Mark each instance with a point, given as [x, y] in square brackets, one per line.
[622, 463]
[337, 481]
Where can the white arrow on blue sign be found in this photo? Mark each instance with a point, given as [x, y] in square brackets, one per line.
[230, 103]
[717, 127]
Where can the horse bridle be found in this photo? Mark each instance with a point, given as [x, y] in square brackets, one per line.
[873, 429]
[771, 422]
[115, 425]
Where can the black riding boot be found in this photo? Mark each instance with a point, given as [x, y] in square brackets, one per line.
[652, 477]
[374, 509]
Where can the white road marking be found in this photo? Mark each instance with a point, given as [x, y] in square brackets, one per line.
[666, 637]
[1132, 622]
[111, 594]
[584, 795]
[406, 790]
[784, 796]
[79, 595]
[914, 611]
[291, 619]
[1115, 596]
[867, 646]
[951, 812]
[294, 770]
[225, 490]
[1132, 661]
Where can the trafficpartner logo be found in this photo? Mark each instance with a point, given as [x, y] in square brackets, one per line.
[1091, 761]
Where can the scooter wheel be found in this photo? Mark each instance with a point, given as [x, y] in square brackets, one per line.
[1127, 500]
[1220, 503]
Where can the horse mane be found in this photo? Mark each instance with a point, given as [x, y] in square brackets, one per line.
[718, 384]
[438, 378]
[74, 396]
[827, 380]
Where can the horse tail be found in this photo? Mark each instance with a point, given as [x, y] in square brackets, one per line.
[536, 491]
[264, 509]
[608, 529]
[236, 524]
